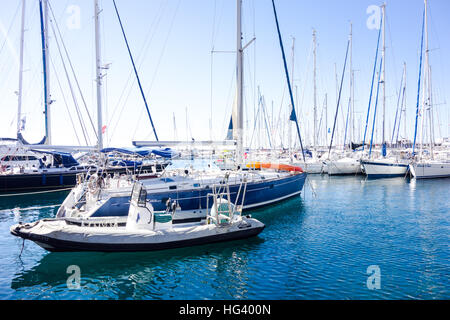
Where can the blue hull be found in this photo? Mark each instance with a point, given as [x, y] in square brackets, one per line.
[258, 194]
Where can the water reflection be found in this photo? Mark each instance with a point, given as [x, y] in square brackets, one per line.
[142, 274]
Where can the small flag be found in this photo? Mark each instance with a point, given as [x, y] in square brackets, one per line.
[104, 129]
[293, 117]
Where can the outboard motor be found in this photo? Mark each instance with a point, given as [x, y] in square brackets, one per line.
[140, 214]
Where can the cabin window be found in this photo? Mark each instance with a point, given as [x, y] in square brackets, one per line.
[172, 187]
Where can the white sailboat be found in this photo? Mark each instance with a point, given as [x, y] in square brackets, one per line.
[431, 164]
[385, 166]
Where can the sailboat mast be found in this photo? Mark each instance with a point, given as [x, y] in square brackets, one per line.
[350, 80]
[238, 124]
[326, 119]
[404, 100]
[315, 88]
[352, 123]
[19, 93]
[98, 67]
[43, 13]
[427, 106]
[48, 101]
[383, 81]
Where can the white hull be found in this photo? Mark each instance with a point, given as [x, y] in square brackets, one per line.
[314, 167]
[384, 168]
[344, 167]
[428, 170]
[58, 235]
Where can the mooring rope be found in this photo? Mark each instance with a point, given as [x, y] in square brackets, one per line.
[36, 192]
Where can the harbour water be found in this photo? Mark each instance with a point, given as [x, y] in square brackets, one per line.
[317, 246]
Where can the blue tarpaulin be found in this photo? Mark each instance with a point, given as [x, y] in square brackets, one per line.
[61, 158]
[165, 153]
[140, 152]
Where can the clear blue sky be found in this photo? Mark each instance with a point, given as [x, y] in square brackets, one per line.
[172, 40]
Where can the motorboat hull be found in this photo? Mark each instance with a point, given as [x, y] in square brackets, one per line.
[122, 240]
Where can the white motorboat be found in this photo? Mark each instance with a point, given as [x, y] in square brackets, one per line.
[140, 231]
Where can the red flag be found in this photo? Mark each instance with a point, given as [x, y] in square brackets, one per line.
[104, 129]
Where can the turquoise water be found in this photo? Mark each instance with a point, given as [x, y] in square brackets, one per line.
[314, 247]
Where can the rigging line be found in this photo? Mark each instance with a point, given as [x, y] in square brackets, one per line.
[308, 69]
[135, 71]
[278, 130]
[6, 35]
[36, 192]
[402, 109]
[371, 86]
[80, 117]
[392, 50]
[375, 109]
[254, 125]
[346, 120]
[71, 67]
[65, 101]
[230, 90]
[418, 85]
[293, 116]
[396, 112]
[161, 56]
[339, 99]
[263, 104]
[129, 85]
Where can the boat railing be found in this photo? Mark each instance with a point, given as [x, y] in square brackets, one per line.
[223, 209]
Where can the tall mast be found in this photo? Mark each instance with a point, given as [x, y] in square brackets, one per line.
[315, 89]
[48, 101]
[383, 81]
[428, 105]
[238, 125]
[43, 13]
[98, 66]
[326, 119]
[19, 93]
[404, 100]
[352, 126]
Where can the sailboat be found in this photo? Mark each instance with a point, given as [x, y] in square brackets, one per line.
[187, 184]
[385, 166]
[26, 167]
[436, 164]
[343, 162]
